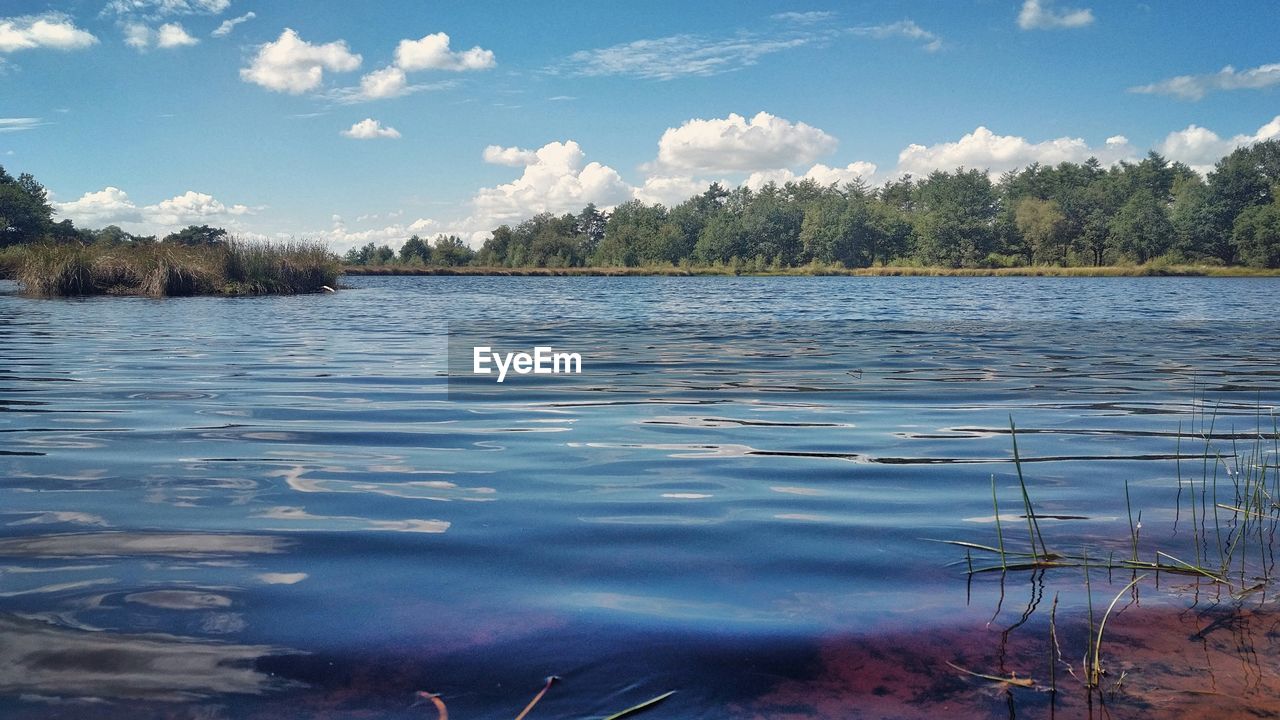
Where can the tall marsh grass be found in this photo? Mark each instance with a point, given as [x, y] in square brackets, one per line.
[235, 267]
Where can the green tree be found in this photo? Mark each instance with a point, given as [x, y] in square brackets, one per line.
[197, 235]
[415, 250]
[1141, 230]
[590, 229]
[956, 224]
[1257, 235]
[25, 213]
[451, 251]
[361, 255]
[1043, 225]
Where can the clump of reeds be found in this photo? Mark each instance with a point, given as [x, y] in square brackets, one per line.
[235, 267]
[56, 270]
[1235, 511]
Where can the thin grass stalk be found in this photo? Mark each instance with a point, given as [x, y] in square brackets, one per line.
[550, 681]
[634, 709]
[1096, 671]
[1088, 591]
[1133, 531]
[995, 504]
[1055, 652]
[1033, 527]
[1177, 455]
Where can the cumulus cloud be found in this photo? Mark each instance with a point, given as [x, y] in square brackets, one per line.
[428, 53]
[819, 173]
[385, 83]
[191, 208]
[512, 156]
[984, 149]
[1201, 148]
[108, 206]
[136, 36]
[112, 206]
[170, 35]
[51, 30]
[432, 52]
[293, 65]
[370, 129]
[734, 144]
[227, 26]
[1195, 87]
[1039, 15]
[906, 29]
[558, 179]
[340, 238]
[671, 190]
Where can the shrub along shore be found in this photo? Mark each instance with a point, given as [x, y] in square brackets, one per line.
[1148, 270]
[165, 269]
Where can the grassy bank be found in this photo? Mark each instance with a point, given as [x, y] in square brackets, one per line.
[170, 270]
[1150, 270]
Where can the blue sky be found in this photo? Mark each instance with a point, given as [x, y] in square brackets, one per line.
[352, 122]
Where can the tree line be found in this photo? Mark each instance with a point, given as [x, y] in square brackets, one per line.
[1070, 214]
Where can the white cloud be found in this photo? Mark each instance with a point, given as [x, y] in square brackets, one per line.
[112, 206]
[677, 56]
[293, 65]
[907, 29]
[388, 82]
[1038, 15]
[163, 8]
[432, 52]
[803, 18]
[19, 124]
[557, 180]
[227, 26]
[370, 129]
[1201, 148]
[191, 208]
[341, 239]
[51, 30]
[137, 36]
[171, 35]
[670, 190]
[734, 144]
[109, 206]
[819, 173]
[1195, 87]
[513, 156]
[986, 150]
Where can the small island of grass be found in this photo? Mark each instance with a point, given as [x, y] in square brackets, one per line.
[168, 269]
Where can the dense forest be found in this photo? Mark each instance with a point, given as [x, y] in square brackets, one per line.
[1067, 215]
[1072, 214]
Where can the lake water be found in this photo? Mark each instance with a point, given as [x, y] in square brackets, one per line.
[288, 507]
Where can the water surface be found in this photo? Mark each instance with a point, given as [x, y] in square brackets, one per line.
[275, 507]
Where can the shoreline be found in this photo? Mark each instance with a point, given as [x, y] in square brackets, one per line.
[890, 271]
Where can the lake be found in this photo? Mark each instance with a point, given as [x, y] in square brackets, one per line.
[287, 507]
